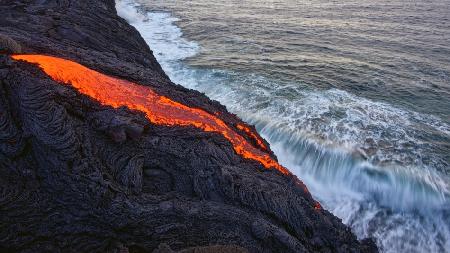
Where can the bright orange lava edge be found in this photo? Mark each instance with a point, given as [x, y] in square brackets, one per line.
[158, 109]
[259, 142]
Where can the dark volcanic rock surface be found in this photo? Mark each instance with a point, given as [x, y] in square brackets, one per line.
[77, 176]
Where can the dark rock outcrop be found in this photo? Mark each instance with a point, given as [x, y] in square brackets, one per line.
[9, 46]
[77, 176]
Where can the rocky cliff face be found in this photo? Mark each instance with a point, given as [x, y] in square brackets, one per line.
[79, 176]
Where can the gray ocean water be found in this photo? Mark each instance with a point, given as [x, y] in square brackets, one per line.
[354, 98]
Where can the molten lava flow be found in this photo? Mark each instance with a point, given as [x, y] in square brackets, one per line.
[158, 109]
[253, 136]
[317, 206]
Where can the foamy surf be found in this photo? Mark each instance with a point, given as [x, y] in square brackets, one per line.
[355, 155]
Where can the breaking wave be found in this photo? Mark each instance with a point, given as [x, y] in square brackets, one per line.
[367, 162]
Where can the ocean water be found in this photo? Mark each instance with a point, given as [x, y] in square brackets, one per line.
[353, 97]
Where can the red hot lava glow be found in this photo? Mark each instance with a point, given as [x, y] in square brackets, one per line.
[158, 109]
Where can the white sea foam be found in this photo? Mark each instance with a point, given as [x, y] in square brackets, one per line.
[360, 158]
[159, 31]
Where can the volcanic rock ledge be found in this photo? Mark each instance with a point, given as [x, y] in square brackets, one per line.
[78, 176]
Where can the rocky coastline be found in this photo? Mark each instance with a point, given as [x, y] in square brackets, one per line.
[82, 176]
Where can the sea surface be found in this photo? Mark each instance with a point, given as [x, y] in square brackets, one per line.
[353, 96]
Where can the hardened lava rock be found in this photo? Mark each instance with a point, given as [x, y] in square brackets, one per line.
[8, 45]
[78, 176]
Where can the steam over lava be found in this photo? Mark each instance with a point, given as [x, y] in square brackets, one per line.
[158, 109]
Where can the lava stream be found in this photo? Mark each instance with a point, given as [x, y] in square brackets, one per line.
[158, 109]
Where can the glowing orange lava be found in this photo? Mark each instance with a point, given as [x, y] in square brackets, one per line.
[252, 135]
[158, 109]
[317, 206]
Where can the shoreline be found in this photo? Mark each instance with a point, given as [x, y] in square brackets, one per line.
[81, 176]
[431, 208]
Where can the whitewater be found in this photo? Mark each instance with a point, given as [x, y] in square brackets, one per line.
[315, 133]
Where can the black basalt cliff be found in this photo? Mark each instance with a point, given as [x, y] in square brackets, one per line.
[78, 176]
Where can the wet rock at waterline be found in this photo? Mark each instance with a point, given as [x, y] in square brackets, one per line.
[81, 176]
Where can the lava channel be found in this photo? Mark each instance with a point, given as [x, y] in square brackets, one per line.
[158, 109]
